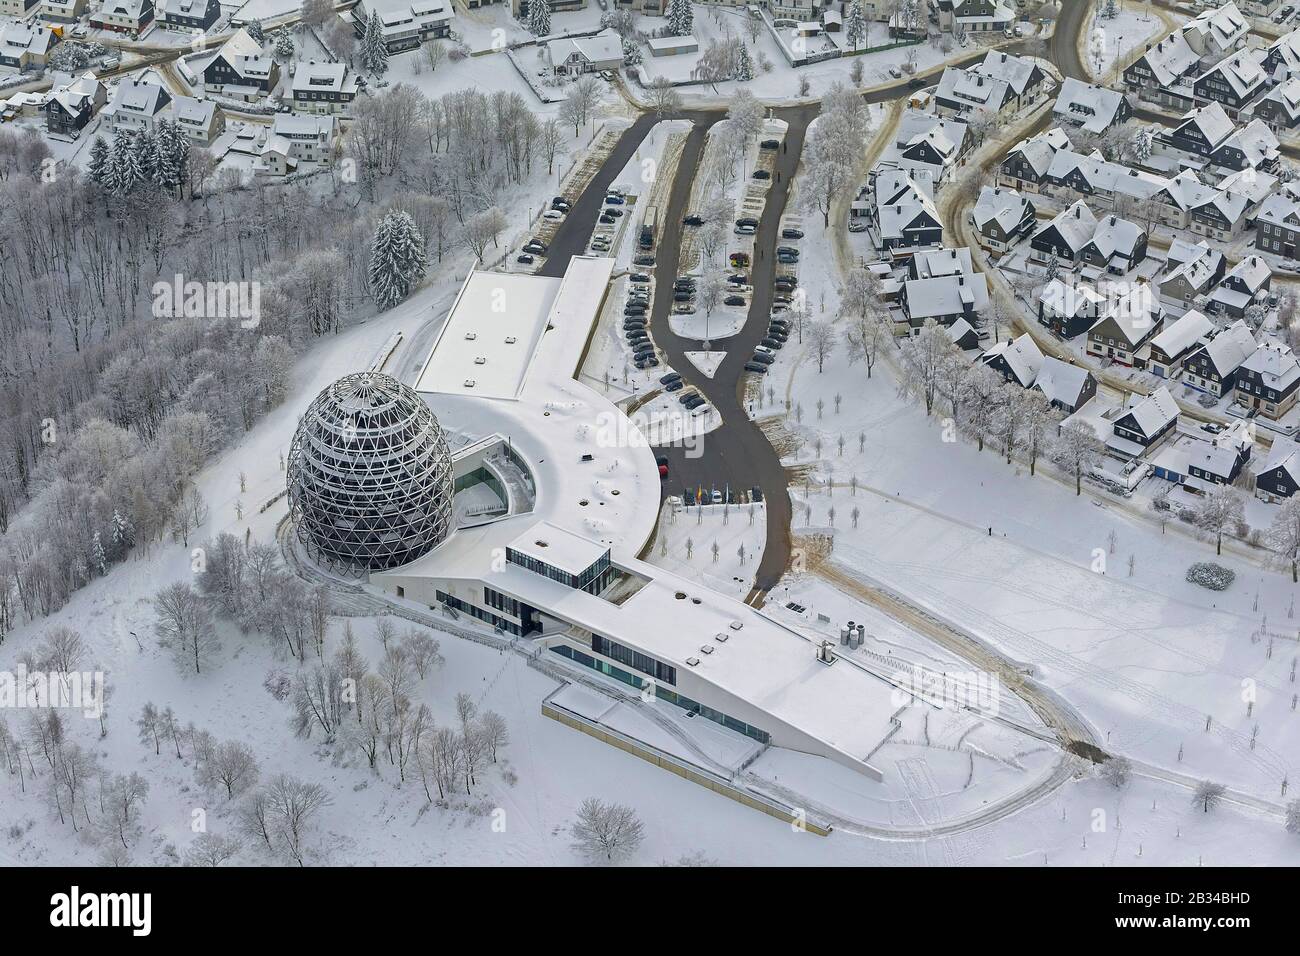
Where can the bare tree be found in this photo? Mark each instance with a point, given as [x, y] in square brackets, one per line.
[1208, 795]
[185, 625]
[292, 805]
[235, 767]
[1284, 534]
[821, 342]
[1077, 449]
[1116, 771]
[1221, 509]
[493, 729]
[210, 849]
[608, 830]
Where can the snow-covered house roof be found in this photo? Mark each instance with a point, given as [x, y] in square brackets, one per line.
[932, 263]
[1060, 382]
[1287, 97]
[1153, 412]
[1006, 207]
[314, 77]
[1279, 209]
[404, 16]
[1094, 108]
[1211, 121]
[1070, 298]
[1285, 52]
[972, 90]
[1284, 454]
[19, 38]
[301, 126]
[1074, 224]
[1015, 71]
[1275, 364]
[1134, 312]
[1216, 30]
[1116, 236]
[1186, 191]
[1243, 72]
[1038, 151]
[1170, 58]
[79, 94]
[137, 97]
[129, 9]
[1198, 268]
[1257, 142]
[1228, 347]
[1022, 355]
[244, 55]
[1250, 184]
[1178, 337]
[605, 47]
[191, 112]
[945, 295]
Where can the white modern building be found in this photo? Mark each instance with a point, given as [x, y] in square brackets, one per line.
[577, 496]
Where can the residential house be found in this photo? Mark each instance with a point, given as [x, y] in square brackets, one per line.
[933, 263]
[241, 69]
[62, 11]
[1253, 146]
[70, 108]
[310, 138]
[406, 23]
[1144, 421]
[1017, 360]
[963, 335]
[323, 88]
[188, 15]
[1067, 386]
[964, 92]
[945, 299]
[123, 16]
[1163, 73]
[1246, 282]
[926, 145]
[1191, 271]
[1131, 320]
[1279, 108]
[1026, 164]
[1002, 217]
[24, 47]
[1199, 132]
[1165, 353]
[573, 56]
[200, 120]
[1217, 31]
[17, 8]
[1234, 81]
[1282, 60]
[1022, 74]
[1199, 460]
[1277, 226]
[1069, 307]
[901, 207]
[1212, 367]
[1117, 245]
[137, 104]
[1268, 382]
[1065, 236]
[1095, 108]
[1278, 477]
[974, 16]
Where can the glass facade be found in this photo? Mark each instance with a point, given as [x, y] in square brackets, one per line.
[510, 627]
[593, 580]
[664, 673]
[662, 692]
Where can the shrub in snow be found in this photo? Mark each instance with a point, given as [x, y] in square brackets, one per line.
[1210, 575]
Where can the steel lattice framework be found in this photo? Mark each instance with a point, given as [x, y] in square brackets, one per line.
[369, 475]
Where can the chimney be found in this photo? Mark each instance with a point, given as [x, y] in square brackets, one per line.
[1077, 210]
[1112, 220]
[961, 280]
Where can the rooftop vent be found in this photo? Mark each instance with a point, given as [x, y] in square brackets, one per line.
[471, 336]
[692, 661]
[469, 383]
[706, 649]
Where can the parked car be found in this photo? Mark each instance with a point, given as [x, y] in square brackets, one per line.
[638, 277]
[763, 357]
[687, 396]
[607, 220]
[525, 258]
[745, 230]
[761, 174]
[755, 367]
[614, 199]
[648, 362]
[746, 221]
[786, 259]
[645, 260]
[683, 296]
[738, 279]
[770, 343]
[674, 385]
[694, 403]
[770, 144]
[553, 214]
[895, 72]
[692, 221]
[788, 250]
[560, 203]
[734, 300]
[684, 308]
[613, 211]
[858, 225]
[670, 377]
[791, 233]
[739, 259]
[535, 246]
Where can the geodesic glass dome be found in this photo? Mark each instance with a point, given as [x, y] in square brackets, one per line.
[369, 475]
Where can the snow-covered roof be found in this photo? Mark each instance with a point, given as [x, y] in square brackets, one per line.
[1177, 337]
[244, 55]
[1275, 364]
[1287, 97]
[139, 98]
[1197, 264]
[302, 126]
[1015, 71]
[1093, 107]
[1186, 191]
[933, 263]
[1075, 224]
[1133, 310]
[1023, 357]
[1211, 121]
[404, 16]
[78, 94]
[1006, 207]
[134, 9]
[189, 111]
[1229, 347]
[1217, 29]
[945, 295]
[19, 38]
[1243, 72]
[1252, 272]
[604, 47]
[1250, 184]
[1104, 176]
[313, 77]
[1170, 58]
[1284, 454]
[1257, 142]
[1279, 209]
[1039, 150]
[1152, 412]
[1070, 298]
[1116, 236]
[974, 89]
[1060, 381]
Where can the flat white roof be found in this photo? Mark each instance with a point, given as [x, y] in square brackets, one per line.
[559, 548]
[490, 336]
